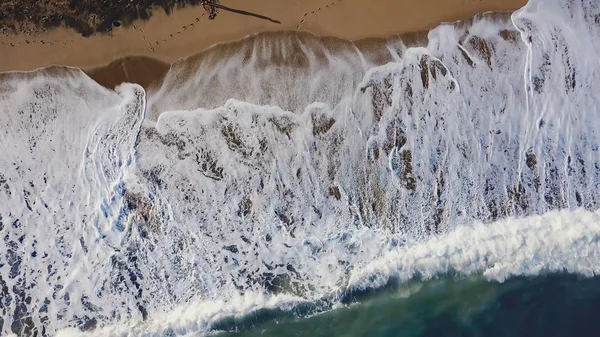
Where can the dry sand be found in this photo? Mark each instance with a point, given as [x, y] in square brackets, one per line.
[188, 31]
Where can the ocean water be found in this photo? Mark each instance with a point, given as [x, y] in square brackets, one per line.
[548, 305]
[287, 184]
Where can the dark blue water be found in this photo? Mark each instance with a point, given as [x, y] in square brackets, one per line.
[549, 305]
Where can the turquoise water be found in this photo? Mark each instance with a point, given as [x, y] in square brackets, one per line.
[550, 305]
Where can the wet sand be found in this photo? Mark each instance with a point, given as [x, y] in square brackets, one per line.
[163, 38]
[143, 70]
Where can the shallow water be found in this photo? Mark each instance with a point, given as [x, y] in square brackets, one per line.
[288, 171]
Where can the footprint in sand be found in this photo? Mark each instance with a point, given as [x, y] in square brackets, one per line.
[38, 42]
[183, 28]
[308, 15]
[136, 27]
[141, 30]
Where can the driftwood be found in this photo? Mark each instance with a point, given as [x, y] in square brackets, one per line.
[213, 6]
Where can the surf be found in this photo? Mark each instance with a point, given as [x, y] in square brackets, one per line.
[299, 171]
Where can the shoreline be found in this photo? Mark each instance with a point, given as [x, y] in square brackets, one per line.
[164, 39]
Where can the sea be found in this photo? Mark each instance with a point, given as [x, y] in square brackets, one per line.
[294, 185]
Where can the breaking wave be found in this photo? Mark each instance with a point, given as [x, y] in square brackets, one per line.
[287, 170]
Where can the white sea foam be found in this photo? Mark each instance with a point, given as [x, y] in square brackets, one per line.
[558, 241]
[60, 197]
[193, 319]
[238, 190]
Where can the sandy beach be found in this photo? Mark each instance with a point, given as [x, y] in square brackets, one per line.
[188, 31]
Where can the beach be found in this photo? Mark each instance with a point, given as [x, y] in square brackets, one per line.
[312, 168]
[188, 31]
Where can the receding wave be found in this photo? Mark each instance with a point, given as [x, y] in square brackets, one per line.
[287, 169]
